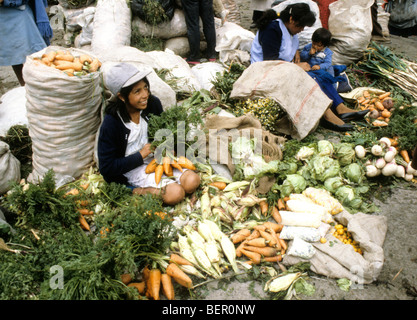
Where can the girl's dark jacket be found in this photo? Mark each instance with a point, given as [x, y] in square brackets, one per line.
[112, 143]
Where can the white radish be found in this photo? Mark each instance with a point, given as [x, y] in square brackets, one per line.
[400, 173]
[386, 141]
[380, 163]
[360, 151]
[376, 150]
[390, 169]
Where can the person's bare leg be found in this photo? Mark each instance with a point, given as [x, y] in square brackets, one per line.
[190, 181]
[19, 74]
[151, 190]
[331, 117]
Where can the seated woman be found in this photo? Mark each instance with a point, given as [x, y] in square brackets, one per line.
[123, 147]
[277, 40]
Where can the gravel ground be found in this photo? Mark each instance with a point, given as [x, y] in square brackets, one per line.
[398, 278]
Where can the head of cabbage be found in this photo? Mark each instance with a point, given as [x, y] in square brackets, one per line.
[294, 183]
[323, 167]
[354, 172]
[325, 148]
[344, 153]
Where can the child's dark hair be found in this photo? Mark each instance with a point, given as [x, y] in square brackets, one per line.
[323, 36]
[119, 106]
[300, 12]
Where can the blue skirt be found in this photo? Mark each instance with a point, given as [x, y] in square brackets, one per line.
[19, 35]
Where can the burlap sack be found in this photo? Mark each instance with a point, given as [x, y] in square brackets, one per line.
[219, 136]
[335, 259]
[292, 88]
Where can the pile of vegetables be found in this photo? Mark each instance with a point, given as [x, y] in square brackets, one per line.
[266, 110]
[382, 62]
[379, 106]
[69, 64]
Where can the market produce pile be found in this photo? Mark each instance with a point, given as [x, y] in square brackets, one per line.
[110, 244]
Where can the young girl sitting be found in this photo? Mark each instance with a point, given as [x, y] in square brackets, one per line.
[123, 147]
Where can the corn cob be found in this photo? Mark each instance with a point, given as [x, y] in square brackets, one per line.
[204, 261]
[282, 282]
[236, 185]
[185, 250]
[212, 251]
[192, 270]
[204, 231]
[215, 229]
[205, 204]
[322, 197]
[229, 251]
[249, 200]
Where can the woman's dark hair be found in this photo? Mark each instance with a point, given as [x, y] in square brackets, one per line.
[119, 106]
[300, 12]
[322, 35]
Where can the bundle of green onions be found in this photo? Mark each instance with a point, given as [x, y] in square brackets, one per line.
[380, 61]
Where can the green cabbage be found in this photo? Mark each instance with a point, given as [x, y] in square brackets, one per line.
[305, 153]
[344, 153]
[347, 197]
[294, 183]
[333, 183]
[354, 172]
[323, 167]
[325, 148]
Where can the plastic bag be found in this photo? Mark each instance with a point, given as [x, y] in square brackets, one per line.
[13, 109]
[301, 249]
[304, 233]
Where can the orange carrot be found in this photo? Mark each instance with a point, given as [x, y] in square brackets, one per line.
[239, 248]
[84, 211]
[275, 237]
[265, 251]
[175, 258]
[84, 223]
[281, 204]
[283, 244]
[268, 237]
[273, 226]
[154, 283]
[186, 163]
[259, 227]
[151, 166]
[255, 234]
[145, 273]
[218, 184]
[167, 286]
[276, 258]
[126, 278]
[264, 207]
[241, 235]
[405, 156]
[159, 171]
[175, 272]
[175, 165]
[258, 242]
[140, 286]
[384, 95]
[166, 163]
[276, 215]
[253, 256]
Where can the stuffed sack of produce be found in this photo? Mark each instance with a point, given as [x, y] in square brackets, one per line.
[64, 95]
[349, 246]
[301, 98]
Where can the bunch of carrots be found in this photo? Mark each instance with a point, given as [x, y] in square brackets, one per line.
[262, 243]
[82, 206]
[379, 105]
[69, 64]
[166, 166]
[156, 281]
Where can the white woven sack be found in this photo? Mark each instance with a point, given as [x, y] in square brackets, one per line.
[350, 23]
[63, 117]
[112, 25]
[9, 168]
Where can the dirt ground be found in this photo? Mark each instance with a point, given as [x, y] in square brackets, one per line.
[398, 278]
